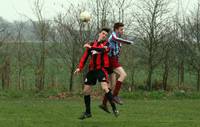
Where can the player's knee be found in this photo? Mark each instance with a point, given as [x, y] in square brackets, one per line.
[123, 75]
[86, 92]
[105, 88]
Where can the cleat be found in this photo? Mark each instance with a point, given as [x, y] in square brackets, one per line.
[85, 116]
[116, 112]
[117, 100]
[104, 108]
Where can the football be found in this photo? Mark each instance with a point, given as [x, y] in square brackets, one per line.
[85, 16]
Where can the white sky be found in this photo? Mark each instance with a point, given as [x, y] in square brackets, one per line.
[11, 9]
[14, 9]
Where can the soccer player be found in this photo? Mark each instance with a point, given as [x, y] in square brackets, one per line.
[98, 62]
[115, 42]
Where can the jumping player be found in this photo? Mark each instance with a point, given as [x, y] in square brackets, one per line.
[115, 42]
[98, 62]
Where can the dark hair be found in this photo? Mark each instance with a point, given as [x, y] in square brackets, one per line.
[105, 29]
[118, 25]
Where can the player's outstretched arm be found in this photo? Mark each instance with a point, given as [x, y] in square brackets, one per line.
[120, 40]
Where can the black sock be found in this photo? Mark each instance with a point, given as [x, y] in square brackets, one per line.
[87, 103]
[106, 93]
[110, 99]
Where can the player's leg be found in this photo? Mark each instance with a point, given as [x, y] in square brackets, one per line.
[104, 106]
[122, 75]
[113, 79]
[109, 96]
[111, 83]
[89, 81]
[103, 79]
[87, 100]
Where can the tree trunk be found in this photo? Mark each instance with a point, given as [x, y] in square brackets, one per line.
[71, 79]
[178, 76]
[19, 77]
[150, 72]
[40, 77]
[72, 72]
[132, 80]
[2, 77]
[149, 79]
[165, 75]
[166, 71]
[182, 73]
[19, 61]
[40, 72]
[6, 73]
[23, 82]
[198, 80]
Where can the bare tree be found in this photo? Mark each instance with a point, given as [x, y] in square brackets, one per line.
[101, 10]
[130, 56]
[107, 12]
[181, 43]
[193, 38]
[151, 19]
[181, 51]
[20, 56]
[5, 65]
[41, 27]
[123, 8]
[168, 52]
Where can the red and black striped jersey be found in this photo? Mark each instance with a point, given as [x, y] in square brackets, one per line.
[98, 56]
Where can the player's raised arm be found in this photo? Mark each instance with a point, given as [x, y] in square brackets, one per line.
[120, 40]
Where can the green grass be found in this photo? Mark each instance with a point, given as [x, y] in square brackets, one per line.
[64, 113]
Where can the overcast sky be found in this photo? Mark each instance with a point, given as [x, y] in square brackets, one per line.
[11, 9]
[14, 9]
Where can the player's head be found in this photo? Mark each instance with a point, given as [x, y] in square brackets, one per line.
[119, 28]
[103, 33]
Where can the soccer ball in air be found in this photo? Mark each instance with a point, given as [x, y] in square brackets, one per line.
[85, 16]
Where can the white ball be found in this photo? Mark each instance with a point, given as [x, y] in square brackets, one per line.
[85, 16]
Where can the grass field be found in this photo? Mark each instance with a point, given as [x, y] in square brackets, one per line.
[64, 113]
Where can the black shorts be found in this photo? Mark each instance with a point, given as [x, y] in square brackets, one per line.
[92, 76]
[109, 70]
